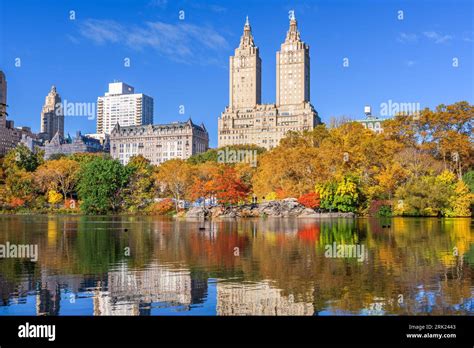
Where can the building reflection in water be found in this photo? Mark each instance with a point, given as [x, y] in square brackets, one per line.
[134, 292]
[257, 299]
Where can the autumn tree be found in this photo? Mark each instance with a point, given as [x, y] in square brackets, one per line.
[293, 170]
[175, 177]
[342, 195]
[228, 187]
[18, 167]
[430, 196]
[140, 189]
[310, 200]
[58, 175]
[202, 181]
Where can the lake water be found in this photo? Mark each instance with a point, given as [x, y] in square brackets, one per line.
[125, 265]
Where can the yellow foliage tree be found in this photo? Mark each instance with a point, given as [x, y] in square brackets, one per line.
[461, 201]
[54, 197]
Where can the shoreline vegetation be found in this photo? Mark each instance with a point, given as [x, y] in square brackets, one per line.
[421, 165]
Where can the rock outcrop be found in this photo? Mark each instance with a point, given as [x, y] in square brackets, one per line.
[288, 207]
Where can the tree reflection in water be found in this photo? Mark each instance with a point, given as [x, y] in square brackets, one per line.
[144, 266]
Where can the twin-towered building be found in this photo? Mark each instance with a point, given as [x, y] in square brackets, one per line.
[246, 120]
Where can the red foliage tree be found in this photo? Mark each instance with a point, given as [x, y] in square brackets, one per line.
[310, 200]
[228, 187]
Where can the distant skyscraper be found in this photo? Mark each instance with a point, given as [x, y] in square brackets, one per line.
[246, 120]
[3, 100]
[121, 105]
[245, 72]
[292, 69]
[52, 116]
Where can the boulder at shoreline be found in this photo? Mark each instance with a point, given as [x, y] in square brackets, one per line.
[288, 207]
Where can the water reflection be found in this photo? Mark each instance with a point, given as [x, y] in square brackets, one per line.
[150, 266]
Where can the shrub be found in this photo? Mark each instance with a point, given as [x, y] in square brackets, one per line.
[310, 200]
[164, 207]
[16, 202]
[380, 208]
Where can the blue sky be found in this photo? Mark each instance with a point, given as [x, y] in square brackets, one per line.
[185, 62]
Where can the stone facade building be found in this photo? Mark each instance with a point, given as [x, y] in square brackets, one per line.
[158, 143]
[3, 100]
[52, 116]
[9, 135]
[246, 120]
[68, 146]
[123, 106]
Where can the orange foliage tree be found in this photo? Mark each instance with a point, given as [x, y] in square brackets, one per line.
[310, 200]
[228, 187]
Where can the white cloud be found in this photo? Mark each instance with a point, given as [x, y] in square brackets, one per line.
[437, 37]
[101, 31]
[468, 36]
[410, 63]
[407, 37]
[182, 42]
[202, 5]
[158, 3]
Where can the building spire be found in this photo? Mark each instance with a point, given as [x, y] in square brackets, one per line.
[247, 38]
[292, 16]
[293, 35]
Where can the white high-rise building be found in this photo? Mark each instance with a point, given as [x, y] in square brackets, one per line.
[123, 106]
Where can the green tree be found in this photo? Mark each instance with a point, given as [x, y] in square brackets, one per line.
[101, 185]
[422, 196]
[140, 188]
[23, 158]
[468, 178]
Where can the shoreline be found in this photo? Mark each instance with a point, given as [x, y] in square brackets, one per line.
[283, 209]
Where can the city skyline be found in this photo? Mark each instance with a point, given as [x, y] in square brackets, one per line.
[407, 60]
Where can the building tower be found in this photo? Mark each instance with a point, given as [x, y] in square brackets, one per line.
[292, 68]
[3, 100]
[245, 82]
[246, 120]
[52, 116]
